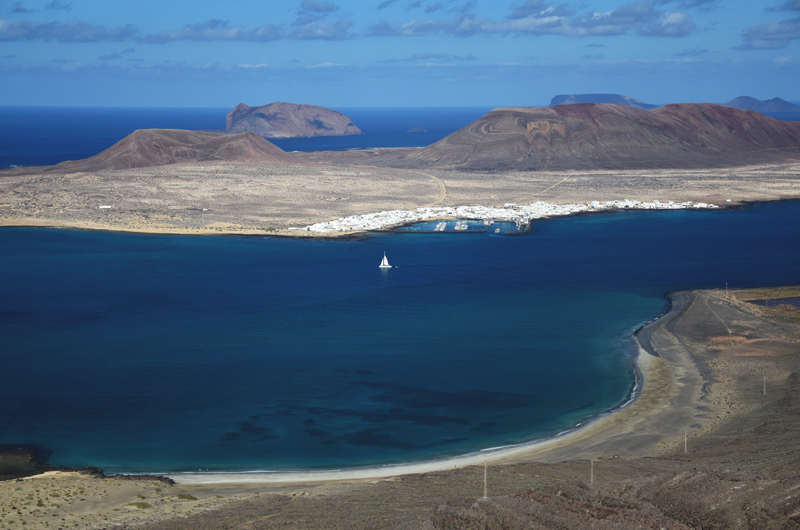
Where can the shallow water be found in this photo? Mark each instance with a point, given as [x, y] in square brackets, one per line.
[165, 353]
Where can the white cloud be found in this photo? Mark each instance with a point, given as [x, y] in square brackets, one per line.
[771, 36]
[17, 7]
[222, 30]
[57, 5]
[536, 17]
[318, 7]
[324, 65]
[76, 31]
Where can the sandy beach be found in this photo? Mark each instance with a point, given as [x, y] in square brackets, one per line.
[663, 409]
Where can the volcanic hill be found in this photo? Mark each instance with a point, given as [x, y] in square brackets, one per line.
[281, 120]
[606, 136]
[159, 147]
[767, 105]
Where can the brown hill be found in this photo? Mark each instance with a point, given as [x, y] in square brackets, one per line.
[289, 119]
[158, 147]
[596, 135]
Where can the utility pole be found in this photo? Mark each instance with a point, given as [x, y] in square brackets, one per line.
[765, 385]
[591, 473]
[685, 442]
[485, 486]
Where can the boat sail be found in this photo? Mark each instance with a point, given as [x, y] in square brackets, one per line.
[385, 263]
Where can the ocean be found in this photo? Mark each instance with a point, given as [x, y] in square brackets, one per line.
[145, 353]
[31, 136]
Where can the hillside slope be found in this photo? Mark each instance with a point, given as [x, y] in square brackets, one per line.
[158, 147]
[607, 136]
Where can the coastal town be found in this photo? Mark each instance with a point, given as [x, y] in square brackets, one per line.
[510, 212]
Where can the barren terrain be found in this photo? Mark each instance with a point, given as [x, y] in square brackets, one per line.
[172, 181]
[268, 198]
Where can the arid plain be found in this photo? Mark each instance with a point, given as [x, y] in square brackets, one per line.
[268, 198]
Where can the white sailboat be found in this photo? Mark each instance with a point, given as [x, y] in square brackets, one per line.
[385, 263]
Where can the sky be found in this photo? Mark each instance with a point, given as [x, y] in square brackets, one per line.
[394, 53]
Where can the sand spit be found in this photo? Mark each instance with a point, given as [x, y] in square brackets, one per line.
[268, 198]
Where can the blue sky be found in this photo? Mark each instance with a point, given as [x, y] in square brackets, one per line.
[350, 53]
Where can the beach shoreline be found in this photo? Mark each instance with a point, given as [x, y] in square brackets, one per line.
[600, 433]
[723, 382]
[343, 235]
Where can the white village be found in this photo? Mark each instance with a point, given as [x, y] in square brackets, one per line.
[510, 212]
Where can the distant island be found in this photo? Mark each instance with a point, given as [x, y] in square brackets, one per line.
[615, 99]
[286, 120]
[767, 105]
[416, 130]
[200, 182]
[566, 137]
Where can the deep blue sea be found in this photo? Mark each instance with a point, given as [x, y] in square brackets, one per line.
[165, 353]
[143, 353]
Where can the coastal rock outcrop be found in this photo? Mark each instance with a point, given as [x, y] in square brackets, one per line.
[283, 120]
[159, 147]
[607, 136]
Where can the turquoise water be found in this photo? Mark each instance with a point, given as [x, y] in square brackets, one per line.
[165, 353]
